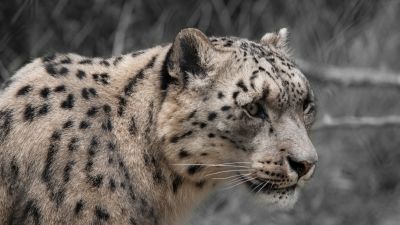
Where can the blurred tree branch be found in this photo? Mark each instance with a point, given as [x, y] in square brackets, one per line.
[349, 76]
[124, 22]
[328, 121]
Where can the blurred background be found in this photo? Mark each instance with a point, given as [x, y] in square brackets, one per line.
[349, 50]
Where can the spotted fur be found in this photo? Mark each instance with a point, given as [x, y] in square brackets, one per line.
[134, 139]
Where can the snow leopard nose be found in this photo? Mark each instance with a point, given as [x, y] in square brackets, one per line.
[302, 168]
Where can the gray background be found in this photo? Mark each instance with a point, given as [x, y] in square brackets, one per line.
[349, 49]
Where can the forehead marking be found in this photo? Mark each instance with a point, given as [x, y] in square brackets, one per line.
[290, 87]
[242, 86]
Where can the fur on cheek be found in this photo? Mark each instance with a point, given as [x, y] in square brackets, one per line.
[270, 201]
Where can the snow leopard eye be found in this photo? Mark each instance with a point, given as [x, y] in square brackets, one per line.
[255, 110]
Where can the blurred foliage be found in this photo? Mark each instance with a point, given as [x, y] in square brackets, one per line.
[357, 179]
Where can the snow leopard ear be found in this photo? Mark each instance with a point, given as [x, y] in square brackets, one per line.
[191, 56]
[278, 39]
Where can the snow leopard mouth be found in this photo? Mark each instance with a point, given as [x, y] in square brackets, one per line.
[266, 187]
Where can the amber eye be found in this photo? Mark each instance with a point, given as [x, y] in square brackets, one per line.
[255, 110]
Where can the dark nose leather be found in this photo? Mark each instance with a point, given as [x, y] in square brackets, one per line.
[300, 167]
